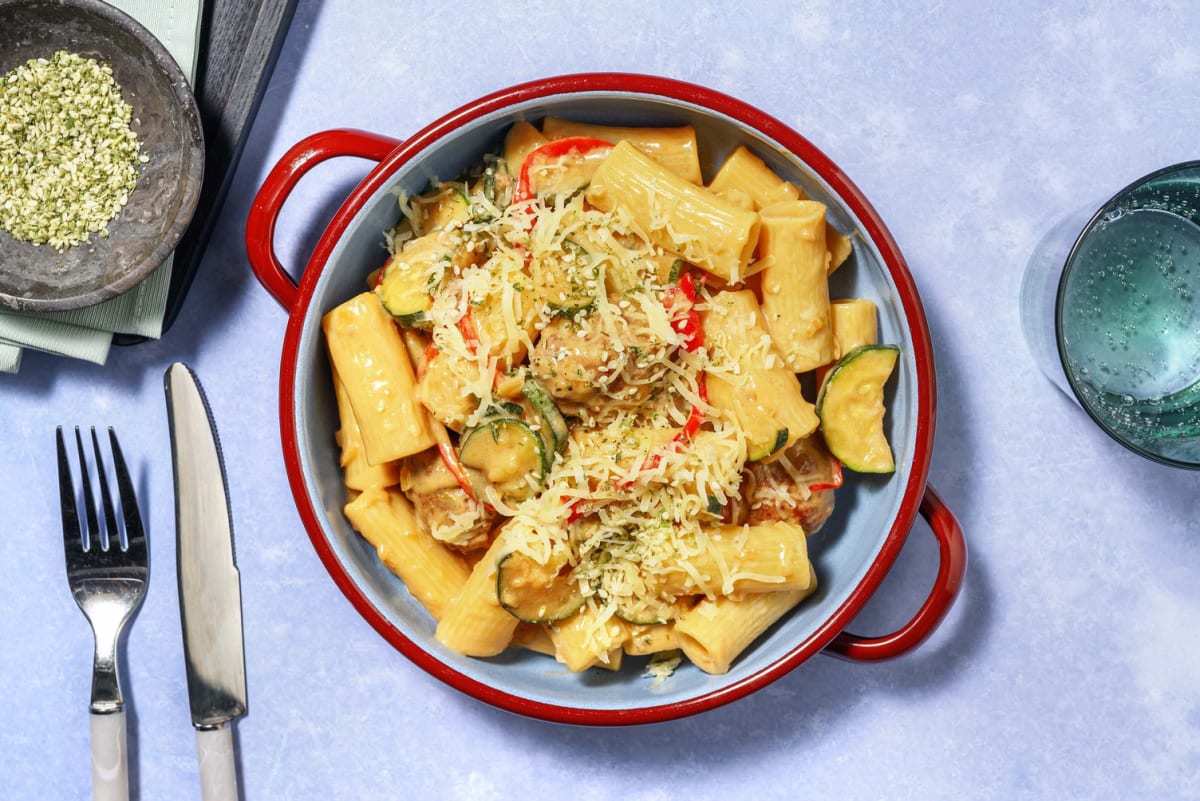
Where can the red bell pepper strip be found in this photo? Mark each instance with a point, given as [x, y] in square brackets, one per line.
[574, 510]
[689, 325]
[431, 351]
[450, 459]
[466, 327]
[685, 434]
[833, 483]
[696, 417]
[693, 337]
[445, 446]
[551, 150]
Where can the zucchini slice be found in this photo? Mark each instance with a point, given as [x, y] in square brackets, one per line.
[715, 507]
[761, 446]
[851, 409]
[552, 423]
[536, 593]
[677, 267]
[504, 408]
[404, 292]
[508, 454]
[449, 207]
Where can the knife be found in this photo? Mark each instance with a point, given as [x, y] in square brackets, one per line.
[210, 595]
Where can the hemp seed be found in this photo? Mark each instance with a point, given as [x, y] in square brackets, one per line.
[68, 157]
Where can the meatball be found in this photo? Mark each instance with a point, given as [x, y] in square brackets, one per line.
[441, 506]
[779, 490]
[573, 359]
[592, 362]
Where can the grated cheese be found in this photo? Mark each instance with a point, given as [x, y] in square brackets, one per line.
[662, 666]
[623, 505]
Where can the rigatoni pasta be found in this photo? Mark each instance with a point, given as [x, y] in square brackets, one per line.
[592, 439]
[745, 179]
[369, 356]
[360, 474]
[795, 288]
[434, 575]
[716, 630]
[855, 323]
[750, 381]
[476, 624]
[675, 149]
[675, 215]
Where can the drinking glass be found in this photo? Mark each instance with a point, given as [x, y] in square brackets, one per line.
[1110, 308]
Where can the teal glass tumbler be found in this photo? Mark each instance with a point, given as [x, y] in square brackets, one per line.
[1110, 309]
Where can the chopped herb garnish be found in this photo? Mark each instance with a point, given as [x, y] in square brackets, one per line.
[68, 157]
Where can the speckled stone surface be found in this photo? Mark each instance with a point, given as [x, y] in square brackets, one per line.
[1069, 668]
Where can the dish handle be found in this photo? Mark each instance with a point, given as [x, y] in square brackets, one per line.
[295, 164]
[952, 555]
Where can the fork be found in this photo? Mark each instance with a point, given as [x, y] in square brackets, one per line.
[108, 582]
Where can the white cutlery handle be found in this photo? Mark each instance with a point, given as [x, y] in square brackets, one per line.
[110, 766]
[218, 773]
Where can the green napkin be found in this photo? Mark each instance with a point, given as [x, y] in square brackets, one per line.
[87, 333]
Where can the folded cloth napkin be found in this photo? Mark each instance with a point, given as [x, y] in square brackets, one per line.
[87, 333]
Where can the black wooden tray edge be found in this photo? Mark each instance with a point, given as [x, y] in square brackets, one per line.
[232, 32]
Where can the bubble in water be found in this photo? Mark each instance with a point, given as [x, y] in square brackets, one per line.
[1129, 279]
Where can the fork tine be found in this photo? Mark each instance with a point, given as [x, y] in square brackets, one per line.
[92, 535]
[72, 537]
[112, 542]
[135, 535]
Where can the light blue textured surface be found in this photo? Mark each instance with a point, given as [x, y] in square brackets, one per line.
[1070, 667]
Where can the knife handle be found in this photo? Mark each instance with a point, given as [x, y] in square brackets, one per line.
[110, 763]
[218, 772]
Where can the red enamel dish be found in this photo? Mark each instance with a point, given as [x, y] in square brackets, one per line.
[853, 552]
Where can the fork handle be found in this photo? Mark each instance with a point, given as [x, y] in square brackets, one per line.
[110, 765]
[218, 771]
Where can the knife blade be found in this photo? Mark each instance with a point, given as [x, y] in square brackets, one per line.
[210, 595]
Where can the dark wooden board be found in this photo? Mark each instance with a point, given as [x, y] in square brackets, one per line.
[240, 41]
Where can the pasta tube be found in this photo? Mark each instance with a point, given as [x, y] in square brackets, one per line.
[533, 637]
[673, 148]
[838, 245]
[582, 641]
[795, 285]
[854, 324]
[706, 230]
[359, 473]
[715, 631]
[433, 574]
[369, 356]
[752, 385]
[741, 559]
[476, 624]
[746, 175]
[521, 140]
[746, 179]
[642, 640]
